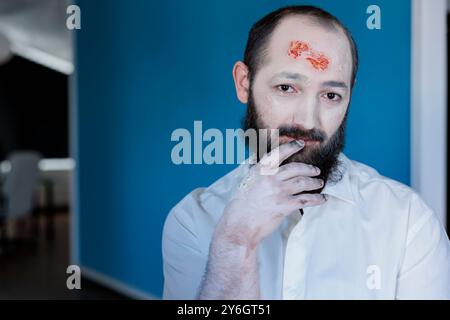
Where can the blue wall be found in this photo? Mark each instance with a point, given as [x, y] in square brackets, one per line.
[145, 68]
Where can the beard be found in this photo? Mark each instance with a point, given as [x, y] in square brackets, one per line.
[323, 154]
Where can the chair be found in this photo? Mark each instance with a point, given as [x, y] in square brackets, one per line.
[18, 189]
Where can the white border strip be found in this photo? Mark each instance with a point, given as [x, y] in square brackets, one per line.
[429, 103]
[114, 284]
[73, 139]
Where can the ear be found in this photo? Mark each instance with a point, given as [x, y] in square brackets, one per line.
[241, 81]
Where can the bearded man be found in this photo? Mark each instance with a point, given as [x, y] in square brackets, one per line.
[321, 226]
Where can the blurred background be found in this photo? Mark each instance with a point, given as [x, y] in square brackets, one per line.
[86, 117]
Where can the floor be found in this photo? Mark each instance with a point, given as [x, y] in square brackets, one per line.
[38, 271]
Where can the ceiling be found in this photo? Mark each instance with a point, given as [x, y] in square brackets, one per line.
[37, 31]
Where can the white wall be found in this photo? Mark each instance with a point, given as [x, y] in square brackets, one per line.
[429, 103]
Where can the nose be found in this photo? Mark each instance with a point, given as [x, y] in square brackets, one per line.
[307, 113]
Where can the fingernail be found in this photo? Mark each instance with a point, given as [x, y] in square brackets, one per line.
[301, 143]
[317, 170]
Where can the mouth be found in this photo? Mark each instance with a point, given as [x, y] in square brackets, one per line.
[308, 142]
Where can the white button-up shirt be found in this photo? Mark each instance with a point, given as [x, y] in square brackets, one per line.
[373, 239]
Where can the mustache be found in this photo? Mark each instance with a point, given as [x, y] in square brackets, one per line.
[299, 133]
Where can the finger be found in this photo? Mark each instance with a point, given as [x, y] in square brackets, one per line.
[307, 200]
[294, 169]
[275, 157]
[300, 184]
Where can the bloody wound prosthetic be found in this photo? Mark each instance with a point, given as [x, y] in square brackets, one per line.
[317, 59]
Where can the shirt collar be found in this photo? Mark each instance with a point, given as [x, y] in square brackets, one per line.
[342, 188]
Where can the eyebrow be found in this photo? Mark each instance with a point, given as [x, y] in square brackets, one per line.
[338, 84]
[290, 75]
[301, 77]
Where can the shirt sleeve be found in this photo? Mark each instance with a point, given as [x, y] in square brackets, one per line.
[425, 270]
[183, 262]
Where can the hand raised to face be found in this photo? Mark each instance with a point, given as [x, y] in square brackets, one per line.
[263, 200]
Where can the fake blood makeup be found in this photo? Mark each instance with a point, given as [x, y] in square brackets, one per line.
[318, 60]
[297, 48]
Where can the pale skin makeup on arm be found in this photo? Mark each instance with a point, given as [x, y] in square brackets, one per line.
[288, 89]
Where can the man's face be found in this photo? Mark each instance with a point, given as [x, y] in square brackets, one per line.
[303, 86]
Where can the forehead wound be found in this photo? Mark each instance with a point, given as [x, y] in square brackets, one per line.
[303, 50]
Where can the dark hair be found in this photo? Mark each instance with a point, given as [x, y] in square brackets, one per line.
[259, 35]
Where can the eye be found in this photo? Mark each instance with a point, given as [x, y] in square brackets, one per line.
[286, 88]
[333, 96]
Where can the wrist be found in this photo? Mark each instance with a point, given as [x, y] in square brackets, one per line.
[235, 239]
